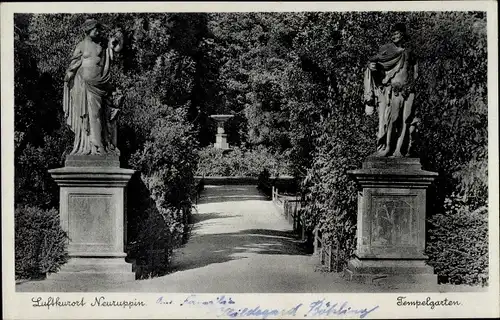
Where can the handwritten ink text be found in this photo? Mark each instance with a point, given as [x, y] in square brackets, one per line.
[324, 308]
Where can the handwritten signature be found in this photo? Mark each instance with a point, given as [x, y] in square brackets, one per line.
[258, 312]
[319, 308]
[326, 308]
[193, 300]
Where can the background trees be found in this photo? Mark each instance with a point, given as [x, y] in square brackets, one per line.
[293, 82]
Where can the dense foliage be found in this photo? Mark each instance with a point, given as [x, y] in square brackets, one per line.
[166, 164]
[240, 162]
[39, 138]
[457, 245]
[293, 82]
[40, 242]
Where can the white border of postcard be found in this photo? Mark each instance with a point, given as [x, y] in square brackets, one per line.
[19, 305]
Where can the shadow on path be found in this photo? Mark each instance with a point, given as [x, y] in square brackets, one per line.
[197, 218]
[208, 249]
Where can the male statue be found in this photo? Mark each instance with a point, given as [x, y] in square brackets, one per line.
[389, 84]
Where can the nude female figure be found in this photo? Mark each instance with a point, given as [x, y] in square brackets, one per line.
[86, 89]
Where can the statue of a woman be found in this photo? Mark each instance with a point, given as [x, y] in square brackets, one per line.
[389, 84]
[86, 101]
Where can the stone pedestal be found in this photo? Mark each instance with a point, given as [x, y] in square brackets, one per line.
[92, 212]
[221, 141]
[391, 222]
[221, 137]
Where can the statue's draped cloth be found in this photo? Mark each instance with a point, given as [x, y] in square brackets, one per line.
[84, 103]
[390, 86]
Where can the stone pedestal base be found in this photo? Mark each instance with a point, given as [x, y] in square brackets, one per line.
[221, 141]
[391, 222]
[390, 271]
[95, 269]
[92, 212]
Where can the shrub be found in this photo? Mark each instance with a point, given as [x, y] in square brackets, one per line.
[34, 186]
[458, 243]
[40, 242]
[153, 247]
[239, 162]
[164, 190]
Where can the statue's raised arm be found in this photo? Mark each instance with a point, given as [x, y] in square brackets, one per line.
[389, 86]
